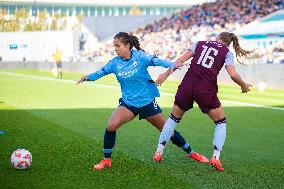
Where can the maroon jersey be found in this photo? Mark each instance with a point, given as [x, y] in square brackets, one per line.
[209, 58]
[200, 82]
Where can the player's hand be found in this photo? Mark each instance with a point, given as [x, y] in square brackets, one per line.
[84, 78]
[161, 79]
[246, 87]
[178, 65]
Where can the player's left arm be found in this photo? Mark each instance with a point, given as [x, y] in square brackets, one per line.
[153, 60]
[163, 77]
[186, 56]
[179, 63]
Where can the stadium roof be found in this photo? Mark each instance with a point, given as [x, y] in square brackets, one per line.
[116, 2]
[269, 26]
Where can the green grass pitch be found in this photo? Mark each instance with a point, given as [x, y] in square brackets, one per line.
[62, 125]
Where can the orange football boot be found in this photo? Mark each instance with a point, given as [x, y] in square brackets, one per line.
[105, 163]
[198, 157]
[216, 163]
[157, 157]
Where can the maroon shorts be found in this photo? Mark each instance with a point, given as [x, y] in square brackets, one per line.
[191, 90]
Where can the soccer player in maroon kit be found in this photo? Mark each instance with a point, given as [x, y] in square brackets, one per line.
[200, 85]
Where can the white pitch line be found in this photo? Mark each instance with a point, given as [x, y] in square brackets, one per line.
[237, 103]
[116, 87]
[57, 80]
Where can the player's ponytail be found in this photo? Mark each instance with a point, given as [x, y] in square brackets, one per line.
[132, 40]
[241, 54]
[135, 42]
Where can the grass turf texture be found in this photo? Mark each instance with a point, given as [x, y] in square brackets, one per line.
[62, 125]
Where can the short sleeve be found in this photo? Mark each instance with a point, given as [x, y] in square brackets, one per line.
[193, 47]
[229, 59]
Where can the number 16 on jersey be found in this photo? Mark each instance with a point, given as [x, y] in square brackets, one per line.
[205, 56]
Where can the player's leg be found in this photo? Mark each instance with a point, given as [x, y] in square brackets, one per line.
[183, 102]
[120, 116]
[169, 127]
[60, 69]
[158, 121]
[59, 76]
[209, 103]
[218, 116]
[57, 70]
[153, 114]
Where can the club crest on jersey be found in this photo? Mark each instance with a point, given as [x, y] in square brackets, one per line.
[134, 63]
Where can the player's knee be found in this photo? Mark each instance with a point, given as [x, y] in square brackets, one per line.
[216, 114]
[112, 126]
[177, 112]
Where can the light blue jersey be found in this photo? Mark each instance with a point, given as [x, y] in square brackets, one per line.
[137, 87]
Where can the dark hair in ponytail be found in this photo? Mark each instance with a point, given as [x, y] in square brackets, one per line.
[132, 40]
[227, 38]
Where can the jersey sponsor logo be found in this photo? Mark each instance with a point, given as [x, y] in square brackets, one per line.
[127, 74]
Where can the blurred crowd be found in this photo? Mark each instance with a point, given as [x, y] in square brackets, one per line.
[169, 37]
[270, 55]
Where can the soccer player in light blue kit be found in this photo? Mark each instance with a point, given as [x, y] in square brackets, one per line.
[138, 94]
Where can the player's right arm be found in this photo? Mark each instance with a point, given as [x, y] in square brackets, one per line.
[229, 65]
[105, 70]
[237, 79]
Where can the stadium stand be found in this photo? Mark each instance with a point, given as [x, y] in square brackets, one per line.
[169, 37]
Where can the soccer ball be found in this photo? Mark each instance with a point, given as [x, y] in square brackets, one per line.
[21, 159]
